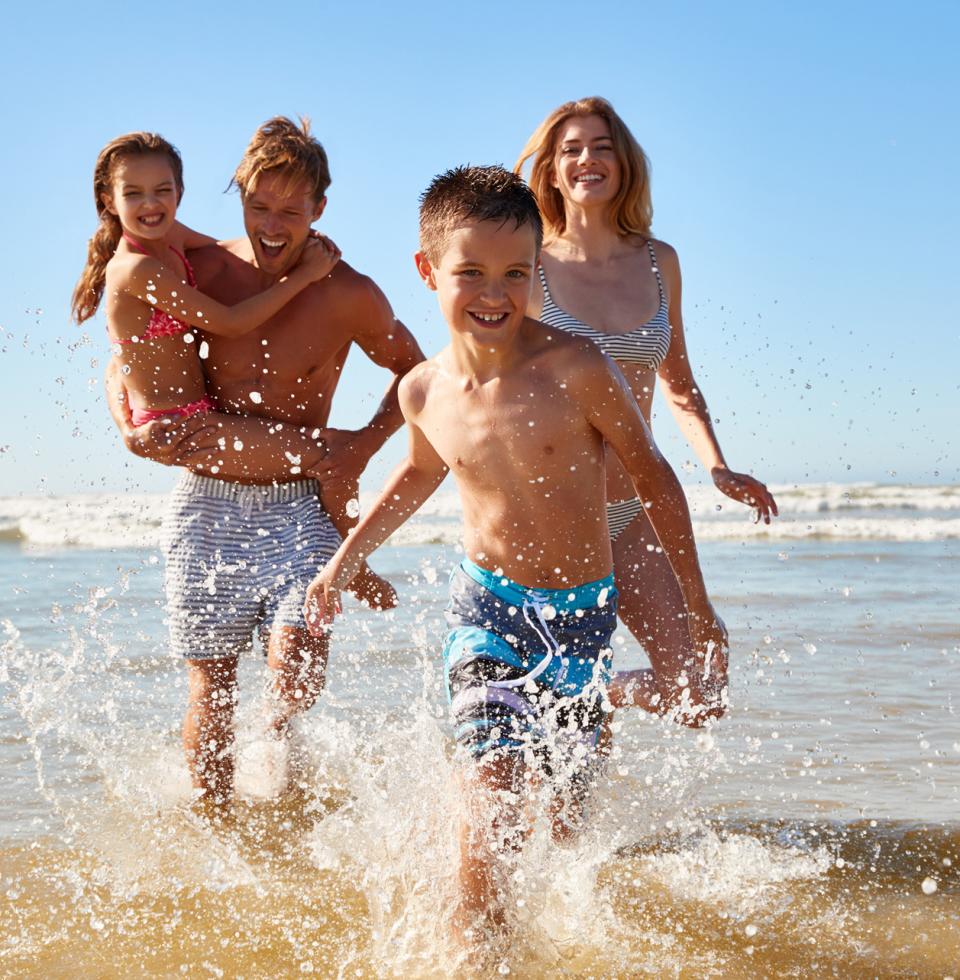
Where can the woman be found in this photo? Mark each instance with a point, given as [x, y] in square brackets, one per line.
[603, 276]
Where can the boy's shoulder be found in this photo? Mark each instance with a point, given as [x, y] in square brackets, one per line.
[415, 385]
[561, 351]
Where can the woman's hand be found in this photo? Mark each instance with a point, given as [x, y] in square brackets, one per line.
[746, 489]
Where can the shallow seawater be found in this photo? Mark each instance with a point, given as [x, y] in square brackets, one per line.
[813, 832]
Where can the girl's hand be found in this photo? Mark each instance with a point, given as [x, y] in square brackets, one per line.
[746, 489]
[319, 257]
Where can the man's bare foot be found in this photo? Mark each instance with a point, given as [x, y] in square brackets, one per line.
[372, 590]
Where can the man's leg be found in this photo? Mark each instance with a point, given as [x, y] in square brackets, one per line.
[208, 727]
[298, 662]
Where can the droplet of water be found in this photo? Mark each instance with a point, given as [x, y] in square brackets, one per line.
[929, 886]
[204, 350]
[353, 507]
[751, 930]
[256, 397]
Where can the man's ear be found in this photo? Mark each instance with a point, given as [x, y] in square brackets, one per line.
[318, 210]
[426, 270]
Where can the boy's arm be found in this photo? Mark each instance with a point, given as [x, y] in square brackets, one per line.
[611, 408]
[413, 481]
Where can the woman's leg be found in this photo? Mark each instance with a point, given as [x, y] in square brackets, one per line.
[652, 607]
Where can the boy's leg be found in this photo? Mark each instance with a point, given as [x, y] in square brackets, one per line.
[208, 727]
[492, 829]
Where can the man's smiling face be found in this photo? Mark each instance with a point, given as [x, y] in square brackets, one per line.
[277, 214]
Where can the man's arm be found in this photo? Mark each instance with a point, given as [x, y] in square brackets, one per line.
[389, 344]
[162, 441]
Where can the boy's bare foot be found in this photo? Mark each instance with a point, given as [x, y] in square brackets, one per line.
[372, 590]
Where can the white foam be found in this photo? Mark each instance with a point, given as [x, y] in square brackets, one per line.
[842, 512]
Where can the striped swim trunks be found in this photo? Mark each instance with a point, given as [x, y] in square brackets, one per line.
[239, 560]
[526, 669]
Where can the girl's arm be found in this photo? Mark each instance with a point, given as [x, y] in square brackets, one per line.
[413, 481]
[689, 407]
[193, 239]
[150, 281]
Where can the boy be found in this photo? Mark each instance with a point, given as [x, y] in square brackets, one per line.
[519, 412]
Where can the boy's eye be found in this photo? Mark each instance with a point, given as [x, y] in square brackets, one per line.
[516, 274]
[470, 272]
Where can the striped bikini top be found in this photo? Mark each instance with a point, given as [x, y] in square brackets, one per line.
[646, 345]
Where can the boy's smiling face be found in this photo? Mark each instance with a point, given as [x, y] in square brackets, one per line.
[483, 279]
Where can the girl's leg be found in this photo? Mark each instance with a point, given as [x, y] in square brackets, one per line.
[652, 607]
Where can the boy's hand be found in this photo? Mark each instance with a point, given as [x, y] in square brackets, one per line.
[322, 603]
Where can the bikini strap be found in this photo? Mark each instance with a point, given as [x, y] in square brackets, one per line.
[547, 298]
[191, 279]
[130, 240]
[656, 268]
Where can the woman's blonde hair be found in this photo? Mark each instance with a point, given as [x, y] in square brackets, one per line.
[631, 209]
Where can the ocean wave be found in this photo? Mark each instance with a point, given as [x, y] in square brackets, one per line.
[841, 512]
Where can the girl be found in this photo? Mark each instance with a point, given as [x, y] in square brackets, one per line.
[136, 258]
[605, 277]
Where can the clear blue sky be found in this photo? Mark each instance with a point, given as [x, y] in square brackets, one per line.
[804, 160]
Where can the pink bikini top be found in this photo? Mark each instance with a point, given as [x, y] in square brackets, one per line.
[161, 323]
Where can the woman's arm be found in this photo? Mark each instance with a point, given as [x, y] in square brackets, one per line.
[157, 286]
[689, 407]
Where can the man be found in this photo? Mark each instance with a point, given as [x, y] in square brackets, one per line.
[240, 554]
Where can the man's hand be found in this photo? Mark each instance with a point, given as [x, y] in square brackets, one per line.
[748, 490]
[373, 590]
[163, 440]
[347, 455]
[322, 603]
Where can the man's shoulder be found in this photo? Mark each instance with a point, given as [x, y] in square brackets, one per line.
[209, 260]
[348, 285]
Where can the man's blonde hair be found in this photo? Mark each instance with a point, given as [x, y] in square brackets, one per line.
[280, 145]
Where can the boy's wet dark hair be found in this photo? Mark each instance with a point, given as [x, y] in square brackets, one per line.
[474, 194]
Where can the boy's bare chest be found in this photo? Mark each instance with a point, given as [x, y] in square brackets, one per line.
[481, 436]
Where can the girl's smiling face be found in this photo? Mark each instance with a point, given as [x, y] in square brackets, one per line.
[144, 195]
